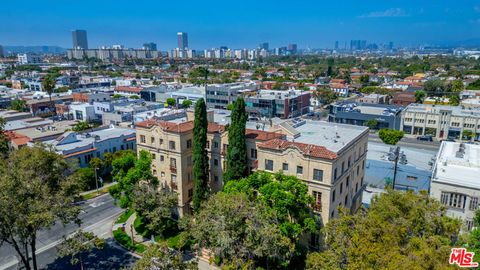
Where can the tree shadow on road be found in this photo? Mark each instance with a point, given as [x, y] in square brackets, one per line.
[112, 256]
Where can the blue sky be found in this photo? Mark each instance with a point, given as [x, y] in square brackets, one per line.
[237, 24]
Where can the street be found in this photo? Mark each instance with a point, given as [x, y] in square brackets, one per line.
[97, 216]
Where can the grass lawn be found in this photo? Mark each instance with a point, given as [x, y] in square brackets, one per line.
[126, 241]
[123, 217]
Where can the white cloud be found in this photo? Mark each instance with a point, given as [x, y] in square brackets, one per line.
[391, 12]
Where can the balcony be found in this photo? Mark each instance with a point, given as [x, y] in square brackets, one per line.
[173, 169]
[173, 185]
[317, 207]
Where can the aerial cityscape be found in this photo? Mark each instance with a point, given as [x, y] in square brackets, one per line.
[241, 135]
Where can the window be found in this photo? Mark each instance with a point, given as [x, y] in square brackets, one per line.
[152, 139]
[356, 187]
[253, 153]
[455, 200]
[346, 200]
[343, 166]
[332, 214]
[318, 175]
[299, 170]
[208, 144]
[162, 174]
[215, 162]
[285, 167]
[349, 161]
[358, 170]
[318, 201]
[171, 145]
[363, 165]
[341, 188]
[473, 203]
[225, 148]
[154, 172]
[333, 196]
[469, 224]
[173, 163]
[268, 164]
[189, 144]
[154, 156]
[161, 141]
[215, 178]
[335, 174]
[142, 138]
[174, 177]
[215, 144]
[162, 158]
[347, 182]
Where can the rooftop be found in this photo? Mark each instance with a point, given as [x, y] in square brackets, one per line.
[48, 130]
[458, 164]
[278, 94]
[455, 110]
[9, 114]
[27, 123]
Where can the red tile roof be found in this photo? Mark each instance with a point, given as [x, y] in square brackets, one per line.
[80, 152]
[262, 135]
[306, 149]
[179, 127]
[16, 138]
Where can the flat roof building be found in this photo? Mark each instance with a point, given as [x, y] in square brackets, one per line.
[352, 113]
[455, 180]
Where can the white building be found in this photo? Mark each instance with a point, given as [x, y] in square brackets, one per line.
[83, 112]
[83, 147]
[455, 180]
[28, 58]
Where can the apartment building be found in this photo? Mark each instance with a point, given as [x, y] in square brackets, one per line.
[353, 113]
[330, 158]
[277, 103]
[442, 122]
[219, 96]
[455, 180]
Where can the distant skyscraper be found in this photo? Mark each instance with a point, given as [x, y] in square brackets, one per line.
[292, 48]
[356, 45]
[79, 38]
[150, 46]
[182, 40]
[263, 45]
[390, 45]
[336, 45]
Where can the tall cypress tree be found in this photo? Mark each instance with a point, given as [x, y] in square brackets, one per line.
[237, 161]
[200, 155]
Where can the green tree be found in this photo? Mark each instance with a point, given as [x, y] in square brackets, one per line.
[161, 257]
[419, 96]
[155, 206]
[454, 99]
[400, 230]
[186, 103]
[457, 86]
[128, 171]
[371, 123]
[85, 178]
[201, 172]
[3, 138]
[48, 84]
[134, 97]
[435, 87]
[390, 136]
[468, 134]
[78, 246]
[80, 126]
[237, 160]
[34, 195]
[475, 85]
[364, 79]
[117, 96]
[171, 102]
[239, 231]
[19, 105]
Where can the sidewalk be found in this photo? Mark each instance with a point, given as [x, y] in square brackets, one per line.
[99, 189]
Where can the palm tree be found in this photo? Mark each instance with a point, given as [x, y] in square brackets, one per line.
[48, 85]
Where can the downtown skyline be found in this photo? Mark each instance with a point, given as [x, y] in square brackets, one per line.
[306, 23]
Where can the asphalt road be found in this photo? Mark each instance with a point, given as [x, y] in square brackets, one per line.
[409, 142]
[97, 216]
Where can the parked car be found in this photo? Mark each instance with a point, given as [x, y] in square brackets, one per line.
[427, 138]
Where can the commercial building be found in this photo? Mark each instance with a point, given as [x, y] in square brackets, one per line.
[111, 54]
[352, 113]
[277, 103]
[404, 98]
[374, 99]
[182, 39]
[330, 163]
[455, 181]
[79, 39]
[150, 46]
[28, 58]
[219, 96]
[82, 147]
[442, 122]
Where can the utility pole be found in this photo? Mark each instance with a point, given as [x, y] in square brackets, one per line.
[96, 180]
[397, 154]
